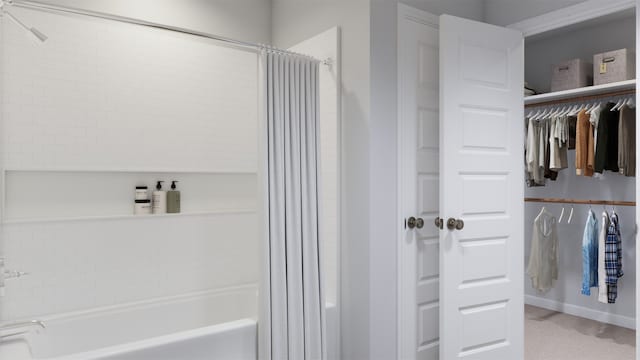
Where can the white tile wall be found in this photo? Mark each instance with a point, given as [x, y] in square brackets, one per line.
[100, 95]
[51, 194]
[88, 264]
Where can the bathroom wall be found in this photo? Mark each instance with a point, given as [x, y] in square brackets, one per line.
[91, 113]
[295, 21]
[248, 20]
[369, 219]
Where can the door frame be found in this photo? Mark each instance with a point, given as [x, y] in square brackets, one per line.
[406, 289]
[571, 15]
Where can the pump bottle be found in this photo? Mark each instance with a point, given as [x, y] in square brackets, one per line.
[173, 199]
[159, 199]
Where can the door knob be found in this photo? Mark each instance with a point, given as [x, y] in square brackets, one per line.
[439, 223]
[413, 222]
[455, 224]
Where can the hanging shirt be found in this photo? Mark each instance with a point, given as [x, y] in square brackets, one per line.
[603, 295]
[584, 145]
[594, 117]
[534, 153]
[543, 258]
[557, 144]
[613, 258]
[590, 254]
[545, 149]
[627, 142]
[572, 128]
[607, 146]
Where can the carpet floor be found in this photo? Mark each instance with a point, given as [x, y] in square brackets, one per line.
[551, 335]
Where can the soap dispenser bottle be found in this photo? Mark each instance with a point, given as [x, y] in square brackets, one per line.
[159, 199]
[173, 199]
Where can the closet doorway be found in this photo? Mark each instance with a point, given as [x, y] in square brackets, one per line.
[437, 264]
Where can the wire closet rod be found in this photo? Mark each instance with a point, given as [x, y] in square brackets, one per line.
[36, 5]
[580, 201]
[582, 98]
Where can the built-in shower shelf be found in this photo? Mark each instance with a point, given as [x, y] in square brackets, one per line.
[126, 217]
[132, 170]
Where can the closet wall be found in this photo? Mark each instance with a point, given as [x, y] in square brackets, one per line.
[545, 50]
[565, 296]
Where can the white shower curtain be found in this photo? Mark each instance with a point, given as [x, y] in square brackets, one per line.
[292, 323]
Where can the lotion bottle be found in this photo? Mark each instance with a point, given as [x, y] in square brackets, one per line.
[159, 199]
[173, 199]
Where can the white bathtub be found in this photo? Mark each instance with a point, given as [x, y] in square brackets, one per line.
[214, 325]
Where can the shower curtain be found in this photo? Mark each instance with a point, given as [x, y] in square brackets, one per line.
[292, 323]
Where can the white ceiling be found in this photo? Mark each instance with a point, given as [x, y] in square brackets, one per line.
[506, 12]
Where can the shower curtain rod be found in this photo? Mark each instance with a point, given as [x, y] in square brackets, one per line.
[36, 5]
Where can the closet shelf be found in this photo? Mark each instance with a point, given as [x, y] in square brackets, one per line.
[580, 201]
[613, 89]
[125, 217]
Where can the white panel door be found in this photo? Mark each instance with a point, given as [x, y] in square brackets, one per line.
[418, 77]
[481, 182]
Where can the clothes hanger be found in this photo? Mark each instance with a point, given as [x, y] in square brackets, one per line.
[576, 109]
[543, 211]
[596, 105]
[617, 106]
[541, 114]
[631, 103]
[535, 114]
[570, 215]
[628, 101]
[546, 113]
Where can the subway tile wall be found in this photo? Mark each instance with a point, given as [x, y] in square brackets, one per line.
[100, 94]
[112, 97]
[88, 264]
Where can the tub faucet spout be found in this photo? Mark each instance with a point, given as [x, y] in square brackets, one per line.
[19, 328]
[8, 274]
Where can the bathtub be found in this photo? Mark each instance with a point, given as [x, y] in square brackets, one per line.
[214, 325]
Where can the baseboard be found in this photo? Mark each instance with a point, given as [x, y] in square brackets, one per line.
[601, 316]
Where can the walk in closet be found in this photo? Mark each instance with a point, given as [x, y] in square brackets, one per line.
[473, 284]
[580, 283]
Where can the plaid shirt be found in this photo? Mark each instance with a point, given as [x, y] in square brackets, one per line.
[613, 258]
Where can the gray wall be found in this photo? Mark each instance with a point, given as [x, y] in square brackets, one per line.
[383, 165]
[248, 20]
[295, 21]
[383, 152]
[541, 54]
[539, 57]
[506, 12]
[470, 9]
[369, 42]
[566, 289]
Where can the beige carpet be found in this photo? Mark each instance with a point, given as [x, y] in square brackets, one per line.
[551, 335]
